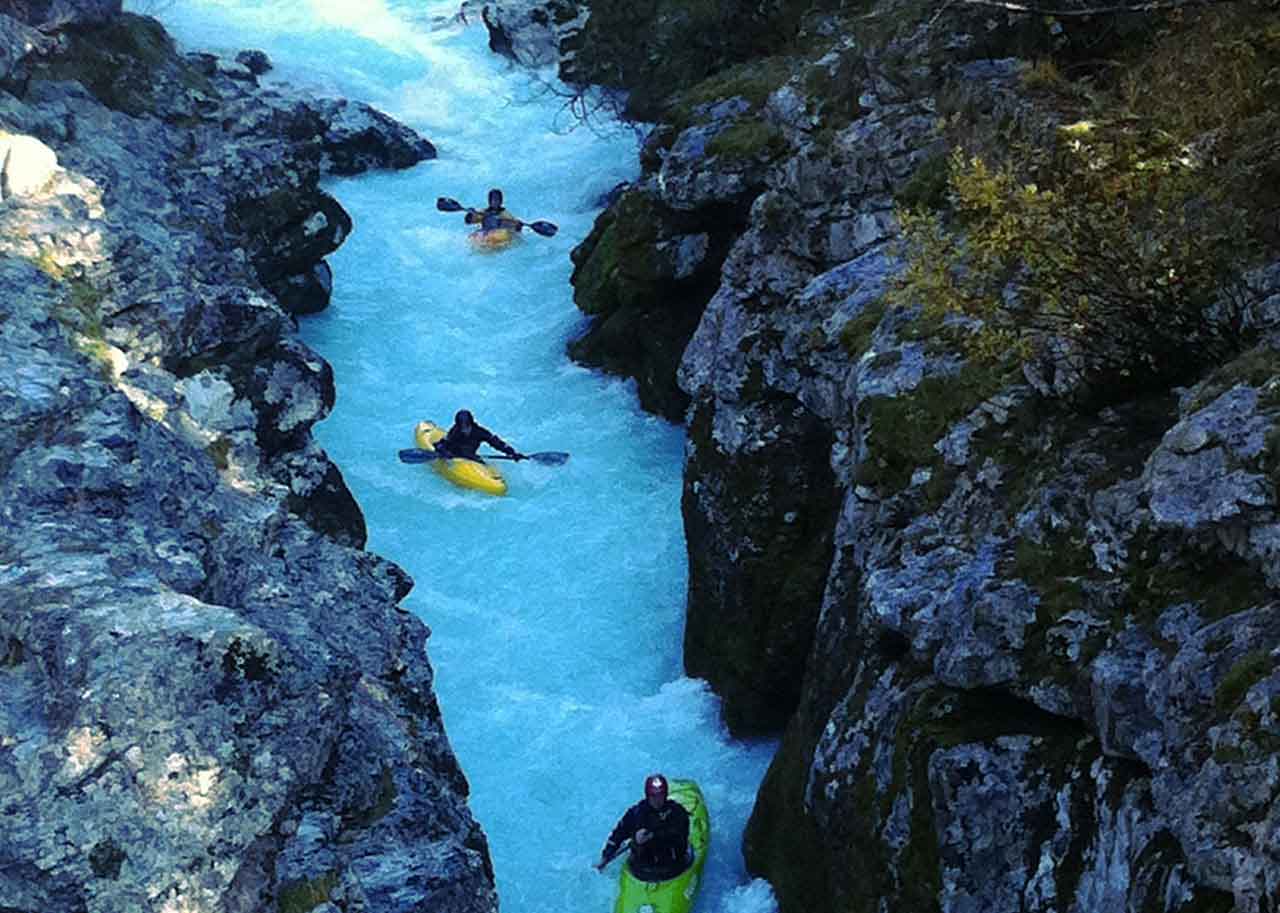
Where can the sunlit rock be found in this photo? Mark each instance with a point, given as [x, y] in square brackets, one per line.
[531, 31]
[27, 166]
[209, 698]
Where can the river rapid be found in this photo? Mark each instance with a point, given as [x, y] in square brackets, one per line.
[557, 611]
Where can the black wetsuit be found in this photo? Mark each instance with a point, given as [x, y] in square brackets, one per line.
[493, 217]
[663, 855]
[464, 444]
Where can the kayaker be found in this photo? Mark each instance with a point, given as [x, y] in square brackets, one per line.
[495, 215]
[658, 829]
[465, 437]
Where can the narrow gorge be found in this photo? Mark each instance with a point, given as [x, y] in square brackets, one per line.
[968, 310]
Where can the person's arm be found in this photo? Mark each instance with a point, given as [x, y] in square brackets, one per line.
[473, 217]
[507, 220]
[621, 834]
[498, 443]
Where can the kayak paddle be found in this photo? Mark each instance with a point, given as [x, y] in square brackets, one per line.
[546, 457]
[546, 229]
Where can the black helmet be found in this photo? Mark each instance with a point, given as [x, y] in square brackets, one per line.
[464, 418]
[495, 198]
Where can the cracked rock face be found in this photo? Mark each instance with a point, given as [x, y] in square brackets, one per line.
[209, 698]
[1024, 657]
[530, 32]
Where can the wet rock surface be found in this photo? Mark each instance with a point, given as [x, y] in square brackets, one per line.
[209, 698]
[1022, 655]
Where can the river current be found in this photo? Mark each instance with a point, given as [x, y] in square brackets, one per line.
[556, 611]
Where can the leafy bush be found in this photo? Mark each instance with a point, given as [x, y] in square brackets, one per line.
[1117, 267]
[1111, 248]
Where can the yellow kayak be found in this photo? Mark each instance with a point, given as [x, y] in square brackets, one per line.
[493, 239]
[467, 473]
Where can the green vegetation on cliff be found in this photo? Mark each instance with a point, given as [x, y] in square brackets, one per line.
[1115, 250]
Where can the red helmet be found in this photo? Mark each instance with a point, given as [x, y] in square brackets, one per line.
[655, 785]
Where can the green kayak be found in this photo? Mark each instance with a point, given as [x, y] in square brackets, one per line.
[675, 895]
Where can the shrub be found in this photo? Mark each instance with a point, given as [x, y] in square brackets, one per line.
[1116, 267]
[1112, 248]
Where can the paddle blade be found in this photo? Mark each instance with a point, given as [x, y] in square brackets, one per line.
[448, 204]
[546, 229]
[550, 457]
[414, 455]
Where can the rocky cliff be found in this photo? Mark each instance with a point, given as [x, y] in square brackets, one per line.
[209, 698]
[1019, 630]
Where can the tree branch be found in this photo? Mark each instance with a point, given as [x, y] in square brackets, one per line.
[1150, 7]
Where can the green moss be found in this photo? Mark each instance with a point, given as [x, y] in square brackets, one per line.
[855, 336]
[927, 186]
[746, 140]
[125, 62]
[1160, 575]
[80, 312]
[219, 449]
[304, 896]
[595, 280]
[621, 269]
[1246, 672]
[84, 300]
[753, 81]
[140, 37]
[903, 429]
[1056, 570]
[1023, 466]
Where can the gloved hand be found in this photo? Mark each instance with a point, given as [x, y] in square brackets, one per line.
[518, 457]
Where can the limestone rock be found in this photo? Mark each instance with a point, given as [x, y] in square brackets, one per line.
[209, 696]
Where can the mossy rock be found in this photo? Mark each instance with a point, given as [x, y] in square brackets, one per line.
[902, 429]
[596, 278]
[126, 64]
[749, 632]
[304, 896]
[643, 343]
[1244, 673]
[619, 268]
[1258, 367]
[1163, 571]
[753, 82]
[858, 331]
[748, 140]
[782, 842]
[384, 801]
[928, 184]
